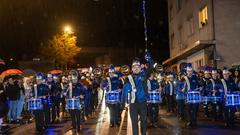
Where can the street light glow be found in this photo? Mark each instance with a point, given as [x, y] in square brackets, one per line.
[67, 29]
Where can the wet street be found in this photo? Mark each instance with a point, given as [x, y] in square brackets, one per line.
[99, 125]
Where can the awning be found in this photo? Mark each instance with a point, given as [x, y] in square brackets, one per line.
[197, 46]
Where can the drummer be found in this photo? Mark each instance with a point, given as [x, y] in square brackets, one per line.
[113, 83]
[216, 92]
[153, 108]
[41, 91]
[206, 91]
[56, 90]
[228, 86]
[180, 97]
[75, 90]
[191, 84]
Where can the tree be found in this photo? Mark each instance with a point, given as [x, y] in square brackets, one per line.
[62, 48]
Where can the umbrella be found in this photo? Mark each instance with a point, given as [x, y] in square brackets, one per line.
[55, 71]
[2, 62]
[10, 72]
[28, 72]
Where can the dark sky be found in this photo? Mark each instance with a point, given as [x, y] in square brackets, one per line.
[26, 24]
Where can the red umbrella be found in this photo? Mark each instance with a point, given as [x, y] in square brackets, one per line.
[11, 72]
[55, 71]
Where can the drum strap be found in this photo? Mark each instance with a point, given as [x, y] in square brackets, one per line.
[35, 90]
[70, 90]
[109, 84]
[171, 88]
[130, 78]
[149, 85]
[224, 86]
[62, 86]
[122, 80]
[213, 84]
[188, 82]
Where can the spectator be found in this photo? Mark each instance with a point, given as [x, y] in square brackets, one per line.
[13, 95]
[21, 99]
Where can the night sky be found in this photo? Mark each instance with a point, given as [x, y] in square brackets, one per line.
[27, 24]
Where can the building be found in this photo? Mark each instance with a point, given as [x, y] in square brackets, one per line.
[204, 33]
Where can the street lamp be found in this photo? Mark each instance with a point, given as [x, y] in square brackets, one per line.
[67, 29]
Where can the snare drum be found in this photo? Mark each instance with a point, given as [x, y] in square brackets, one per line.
[232, 100]
[154, 97]
[73, 103]
[112, 97]
[35, 104]
[216, 99]
[193, 97]
[47, 101]
[206, 99]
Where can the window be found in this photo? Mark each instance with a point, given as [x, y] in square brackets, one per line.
[199, 63]
[172, 41]
[190, 26]
[203, 16]
[179, 5]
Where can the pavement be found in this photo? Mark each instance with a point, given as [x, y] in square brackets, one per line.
[99, 125]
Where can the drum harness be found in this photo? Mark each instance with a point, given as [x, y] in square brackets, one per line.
[109, 84]
[224, 86]
[70, 88]
[213, 83]
[35, 90]
[134, 90]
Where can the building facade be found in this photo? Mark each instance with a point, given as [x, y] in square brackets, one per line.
[204, 33]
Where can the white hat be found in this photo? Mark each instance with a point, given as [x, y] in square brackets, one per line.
[225, 70]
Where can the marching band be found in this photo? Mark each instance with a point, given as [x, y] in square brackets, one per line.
[145, 90]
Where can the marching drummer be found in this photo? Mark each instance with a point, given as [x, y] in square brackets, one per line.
[191, 84]
[207, 90]
[180, 97]
[55, 96]
[228, 86]
[153, 108]
[76, 91]
[49, 82]
[113, 83]
[41, 91]
[216, 92]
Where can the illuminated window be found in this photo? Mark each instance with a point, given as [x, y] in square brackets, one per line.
[203, 16]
